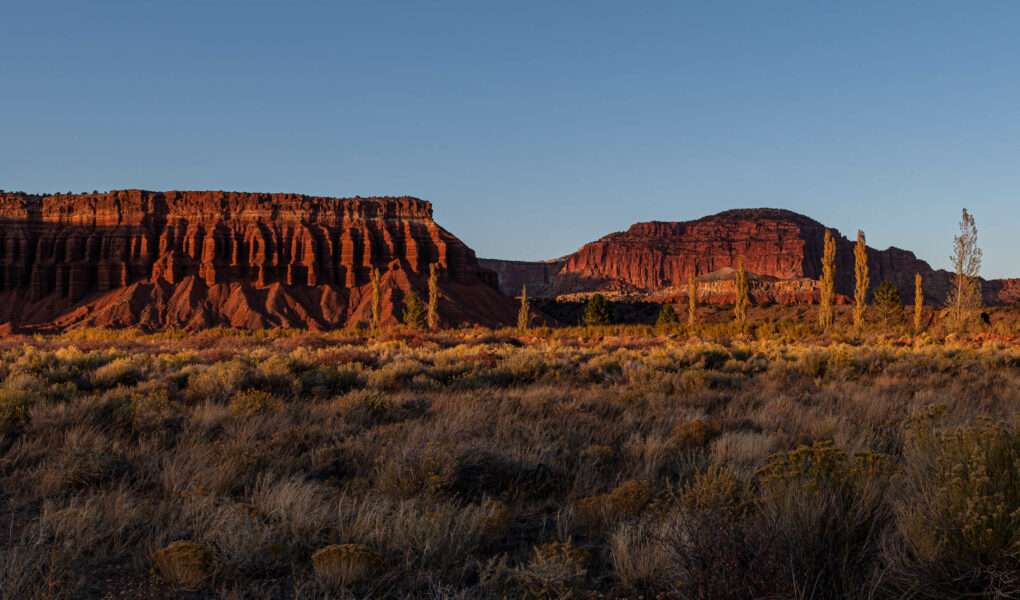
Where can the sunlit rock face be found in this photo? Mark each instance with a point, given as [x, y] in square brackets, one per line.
[200, 259]
[781, 249]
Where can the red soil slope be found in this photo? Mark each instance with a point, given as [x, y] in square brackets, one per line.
[200, 259]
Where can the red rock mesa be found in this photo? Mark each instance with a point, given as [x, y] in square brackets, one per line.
[200, 259]
[781, 249]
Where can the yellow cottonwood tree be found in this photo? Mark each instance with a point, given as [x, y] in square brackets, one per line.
[826, 314]
[861, 280]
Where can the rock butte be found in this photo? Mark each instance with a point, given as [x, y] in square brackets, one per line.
[781, 249]
[202, 259]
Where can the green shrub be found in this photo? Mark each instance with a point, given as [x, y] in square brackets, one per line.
[125, 371]
[219, 381]
[597, 311]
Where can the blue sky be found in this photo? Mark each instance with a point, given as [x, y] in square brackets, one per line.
[535, 126]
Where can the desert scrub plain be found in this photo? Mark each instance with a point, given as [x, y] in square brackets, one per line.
[613, 462]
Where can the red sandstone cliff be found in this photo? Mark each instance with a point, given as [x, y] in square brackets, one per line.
[200, 259]
[782, 248]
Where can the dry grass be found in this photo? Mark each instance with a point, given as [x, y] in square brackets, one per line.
[477, 464]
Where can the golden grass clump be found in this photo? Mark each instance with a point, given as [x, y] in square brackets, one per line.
[184, 564]
[342, 565]
[692, 435]
[556, 570]
[821, 463]
[253, 402]
[716, 488]
[627, 500]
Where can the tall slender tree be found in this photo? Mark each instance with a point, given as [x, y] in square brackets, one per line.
[861, 280]
[433, 306]
[742, 290]
[826, 314]
[918, 301]
[692, 301]
[524, 312]
[966, 294]
[376, 299]
[414, 311]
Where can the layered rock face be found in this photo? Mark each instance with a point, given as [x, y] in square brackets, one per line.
[782, 249]
[199, 259]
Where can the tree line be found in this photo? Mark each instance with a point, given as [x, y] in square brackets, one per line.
[886, 303]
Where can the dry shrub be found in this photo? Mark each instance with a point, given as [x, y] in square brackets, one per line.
[626, 501]
[959, 519]
[95, 527]
[693, 435]
[476, 474]
[342, 565]
[207, 470]
[219, 381]
[497, 519]
[748, 449]
[600, 454]
[298, 506]
[245, 543]
[396, 375]
[14, 408]
[275, 374]
[184, 564]
[713, 554]
[367, 408]
[716, 488]
[821, 464]
[429, 532]
[556, 570]
[82, 467]
[128, 370]
[151, 410]
[827, 511]
[639, 558]
[248, 403]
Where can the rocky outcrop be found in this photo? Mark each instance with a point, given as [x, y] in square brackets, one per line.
[782, 249]
[200, 259]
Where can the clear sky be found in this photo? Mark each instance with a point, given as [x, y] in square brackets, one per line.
[535, 126]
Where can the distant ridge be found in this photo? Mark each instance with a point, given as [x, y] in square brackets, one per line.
[655, 258]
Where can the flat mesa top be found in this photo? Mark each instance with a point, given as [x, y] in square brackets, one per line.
[21, 206]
